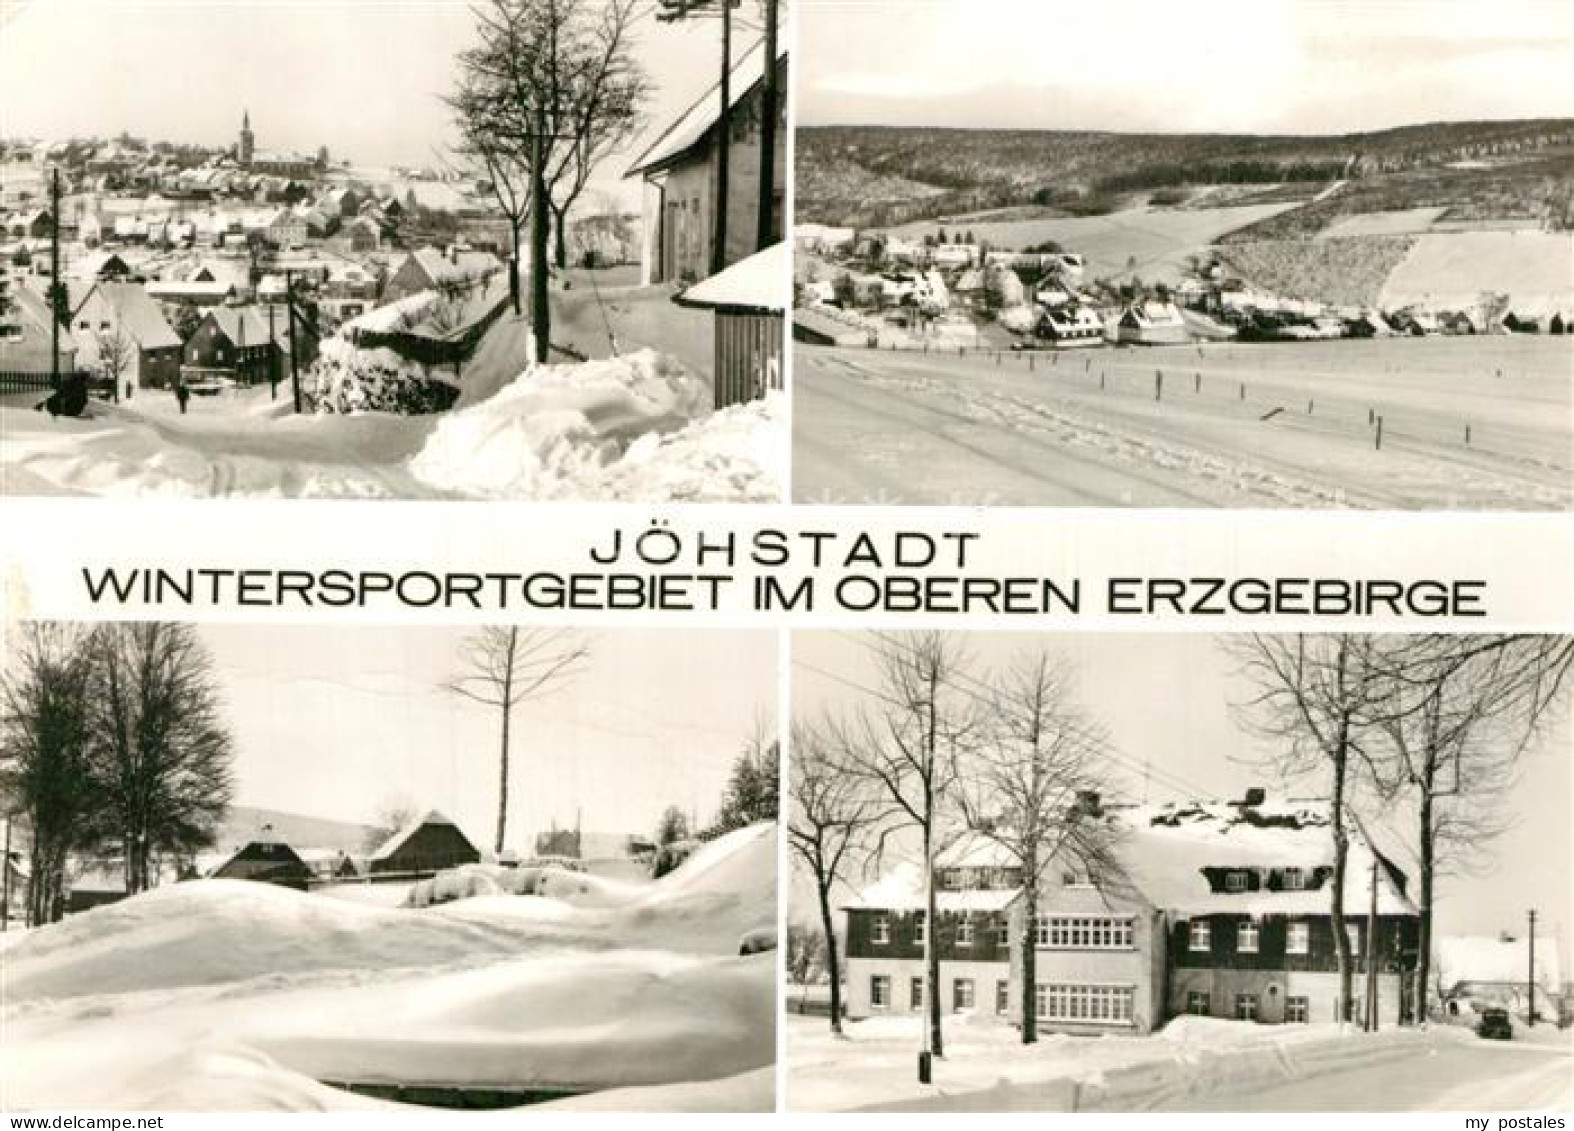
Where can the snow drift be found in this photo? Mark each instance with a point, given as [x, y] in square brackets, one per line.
[633, 428]
[232, 995]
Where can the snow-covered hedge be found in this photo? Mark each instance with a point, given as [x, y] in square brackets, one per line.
[345, 379]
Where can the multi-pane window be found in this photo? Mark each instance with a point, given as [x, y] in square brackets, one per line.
[1246, 936]
[1002, 996]
[1295, 1010]
[1298, 939]
[1003, 931]
[1082, 932]
[1235, 881]
[1197, 1003]
[915, 994]
[880, 991]
[1061, 1002]
[964, 933]
[880, 931]
[1246, 1007]
[918, 928]
[1201, 935]
[962, 994]
[1294, 879]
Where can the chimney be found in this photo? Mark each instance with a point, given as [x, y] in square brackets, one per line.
[1088, 802]
[453, 253]
[1255, 796]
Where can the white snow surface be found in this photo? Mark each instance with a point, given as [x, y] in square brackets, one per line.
[635, 428]
[231, 995]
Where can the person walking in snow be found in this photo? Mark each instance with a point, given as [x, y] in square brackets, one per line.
[182, 395]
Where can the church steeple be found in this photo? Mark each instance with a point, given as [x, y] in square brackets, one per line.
[247, 140]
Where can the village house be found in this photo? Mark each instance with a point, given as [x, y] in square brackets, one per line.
[1216, 909]
[749, 301]
[267, 860]
[429, 269]
[25, 332]
[1475, 972]
[680, 171]
[1071, 326]
[118, 316]
[426, 844]
[237, 343]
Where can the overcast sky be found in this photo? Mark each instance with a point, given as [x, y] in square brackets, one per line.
[362, 77]
[1291, 66]
[332, 722]
[1166, 700]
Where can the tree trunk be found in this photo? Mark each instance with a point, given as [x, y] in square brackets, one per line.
[1336, 916]
[502, 780]
[1424, 935]
[1029, 962]
[932, 927]
[514, 288]
[833, 963]
[560, 236]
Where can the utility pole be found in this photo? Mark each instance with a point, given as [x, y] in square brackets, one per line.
[1530, 977]
[289, 305]
[682, 10]
[273, 358]
[766, 233]
[54, 279]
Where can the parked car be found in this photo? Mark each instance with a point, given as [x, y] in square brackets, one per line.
[1495, 1025]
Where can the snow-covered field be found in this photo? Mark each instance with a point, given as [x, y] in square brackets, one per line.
[232, 995]
[638, 429]
[1201, 1064]
[1085, 429]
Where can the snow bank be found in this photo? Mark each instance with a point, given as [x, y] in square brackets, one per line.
[633, 428]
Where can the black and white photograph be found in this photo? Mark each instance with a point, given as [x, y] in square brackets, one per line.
[509, 249]
[1179, 873]
[369, 869]
[1297, 254]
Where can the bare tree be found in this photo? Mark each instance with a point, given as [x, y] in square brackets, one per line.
[905, 750]
[503, 667]
[161, 750]
[548, 90]
[830, 814]
[116, 352]
[1462, 710]
[1032, 785]
[1318, 697]
[394, 812]
[45, 773]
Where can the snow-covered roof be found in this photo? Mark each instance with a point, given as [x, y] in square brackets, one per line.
[410, 828]
[1165, 850]
[247, 326]
[138, 315]
[1488, 958]
[695, 122]
[759, 284]
[901, 889]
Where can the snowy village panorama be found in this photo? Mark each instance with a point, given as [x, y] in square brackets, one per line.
[309, 869]
[1187, 256]
[1041, 873]
[520, 271]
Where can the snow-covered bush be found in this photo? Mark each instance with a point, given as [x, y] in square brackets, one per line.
[1019, 319]
[345, 378]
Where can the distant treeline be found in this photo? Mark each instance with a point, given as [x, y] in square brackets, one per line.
[1244, 172]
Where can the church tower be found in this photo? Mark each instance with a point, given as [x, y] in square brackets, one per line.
[247, 141]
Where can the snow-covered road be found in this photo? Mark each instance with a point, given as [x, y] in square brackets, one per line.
[1235, 425]
[1484, 1077]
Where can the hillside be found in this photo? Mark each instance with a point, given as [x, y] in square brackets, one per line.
[243, 822]
[878, 176]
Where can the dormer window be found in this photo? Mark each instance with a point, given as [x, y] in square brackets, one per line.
[880, 933]
[1235, 881]
[1294, 879]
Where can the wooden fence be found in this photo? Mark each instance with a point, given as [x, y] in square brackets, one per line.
[748, 356]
